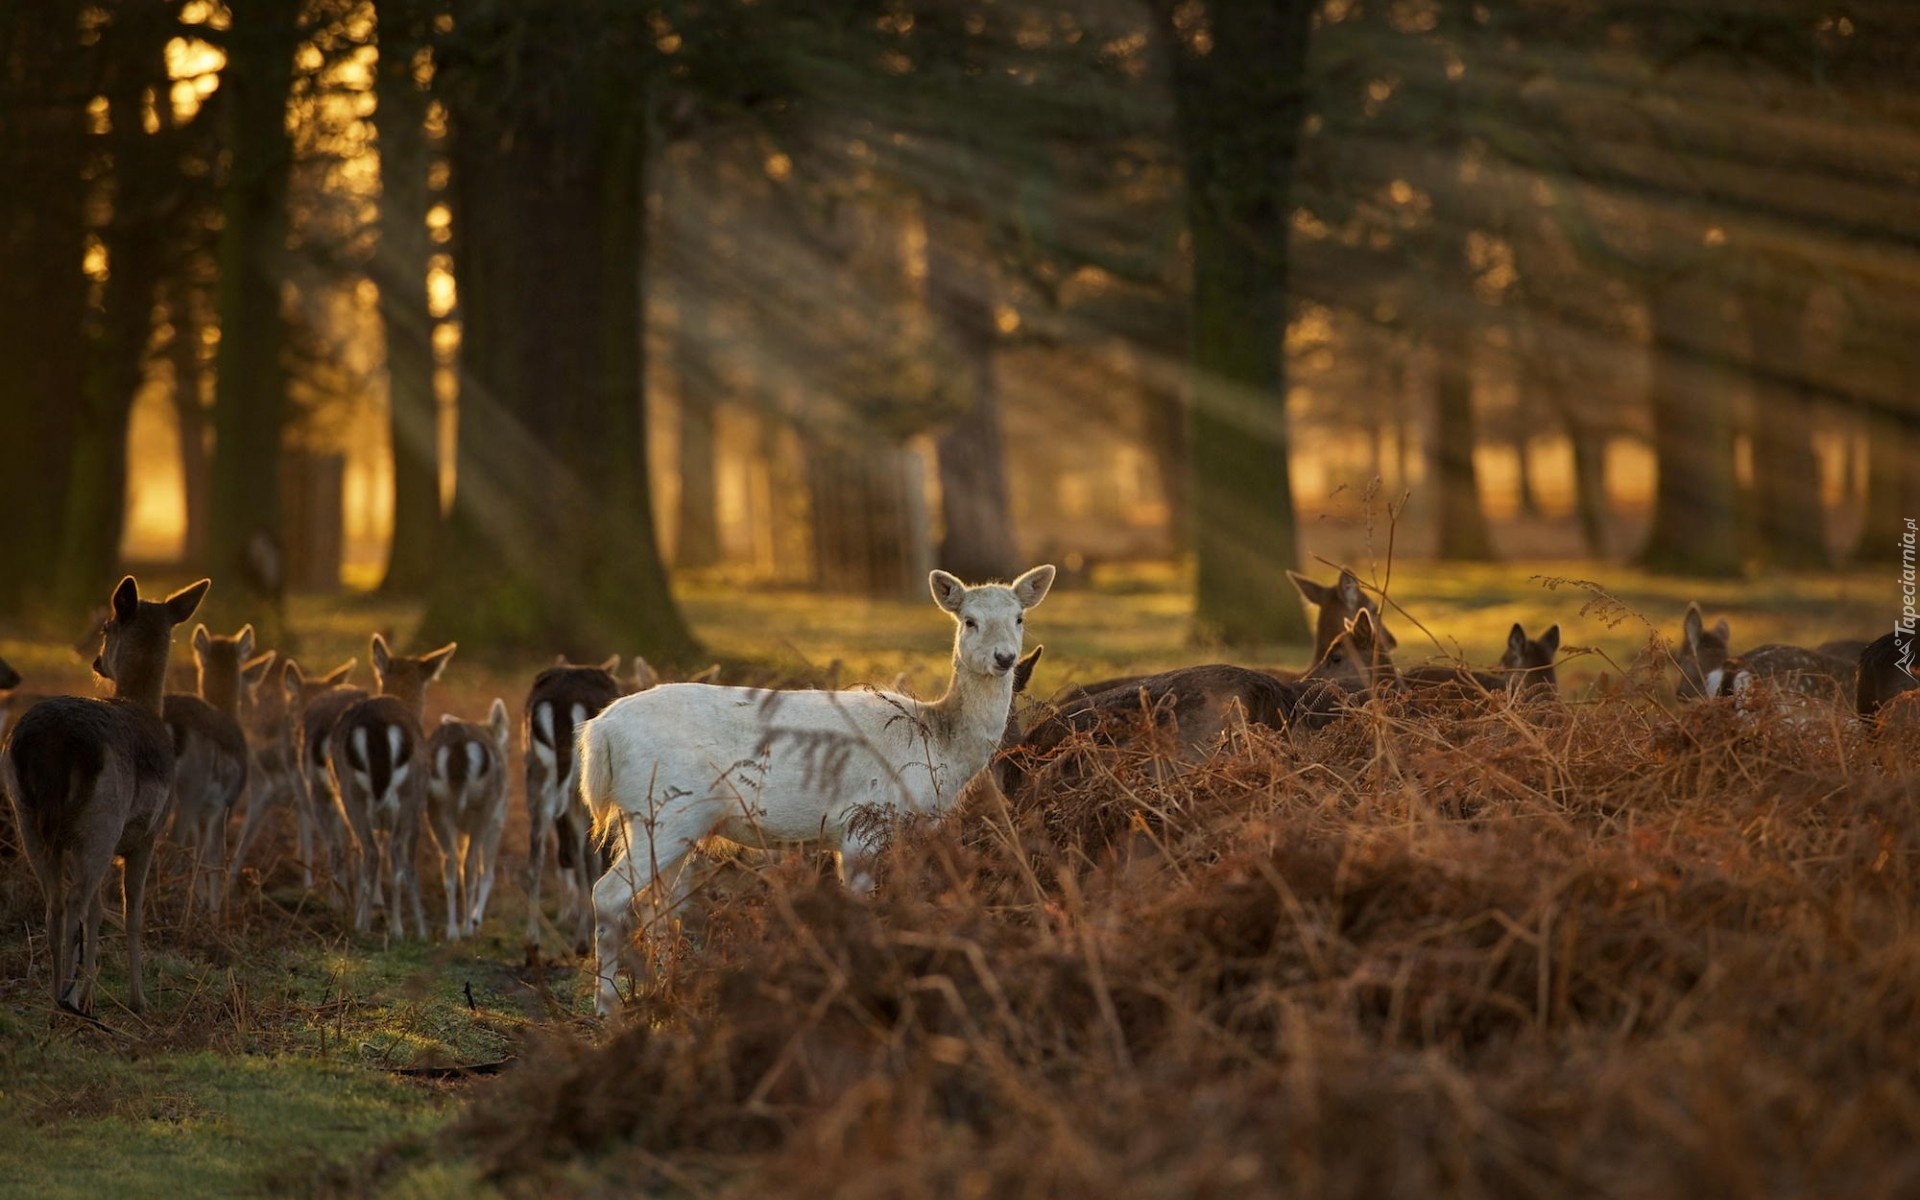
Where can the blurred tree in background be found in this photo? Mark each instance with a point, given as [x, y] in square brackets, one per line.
[831, 293]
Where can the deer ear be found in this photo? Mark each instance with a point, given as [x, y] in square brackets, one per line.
[257, 669]
[1311, 592]
[559, 660]
[202, 640]
[181, 604]
[245, 640]
[643, 674]
[497, 720]
[1550, 640]
[1023, 670]
[338, 675]
[1690, 628]
[612, 665]
[379, 655]
[1517, 639]
[1362, 629]
[291, 679]
[1349, 589]
[436, 661]
[1723, 631]
[1031, 588]
[947, 590]
[126, 599]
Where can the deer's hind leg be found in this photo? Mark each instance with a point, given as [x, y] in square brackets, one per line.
[139, 863]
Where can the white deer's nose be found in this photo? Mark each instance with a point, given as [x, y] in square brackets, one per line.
[1003, 660]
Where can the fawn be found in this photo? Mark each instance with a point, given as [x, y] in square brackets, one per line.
[467, 810]
[210, 756]
[1709, 669]
[373, 763]
[563, 698]
[91, 779]
[313, 707]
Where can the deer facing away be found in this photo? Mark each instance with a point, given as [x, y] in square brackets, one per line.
[467, 811]
[564, 697]
[90, 780]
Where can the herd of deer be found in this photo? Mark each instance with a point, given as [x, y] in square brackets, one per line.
[631, 785]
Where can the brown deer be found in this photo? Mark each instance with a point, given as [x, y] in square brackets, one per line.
[564, 697]
[273, 783]
[314, 706]
[1526, 670]
[467, 811]
[210, 756]
[1709, 669]
[9, 697]
[1201, 703]
[90, 780]
[379, 781]
[1886, 671]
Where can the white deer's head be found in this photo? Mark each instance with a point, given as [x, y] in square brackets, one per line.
[991, 618]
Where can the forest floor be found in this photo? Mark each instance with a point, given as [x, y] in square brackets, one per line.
[1487, 937]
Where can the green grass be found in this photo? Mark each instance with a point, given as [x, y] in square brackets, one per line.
[266, 1067]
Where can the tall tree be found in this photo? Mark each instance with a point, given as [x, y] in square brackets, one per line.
[697, 537]
[401, 265]
[44, 89]
[138, 187]
[551, 543]
[1788, 510]
[1236, 68]
[1696, 517]
[251, 395]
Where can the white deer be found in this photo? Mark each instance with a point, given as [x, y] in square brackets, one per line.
[663, 769]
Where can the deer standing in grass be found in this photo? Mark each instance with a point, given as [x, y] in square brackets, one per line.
[380, 783]
[313, 707]
[467, 811]
[210, 765]
[664, 769]
[91, 780]
[274, 782]
[563, 698]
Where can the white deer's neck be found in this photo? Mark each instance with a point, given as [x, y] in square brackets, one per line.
[971, 717]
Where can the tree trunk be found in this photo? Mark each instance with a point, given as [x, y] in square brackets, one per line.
[1589, 482]
[977, 539]
[869, 526]
[551, 545]
[1893, 468]
[697, 533]
[1239, 96]
[400, 269]
[1786, 473]
[251, 384]
[189, 407]
[1527, 496]
[43, 292]
[1462, 523]
[96, 499]
[1696, 524]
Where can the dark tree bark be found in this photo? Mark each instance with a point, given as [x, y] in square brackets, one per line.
[1528, 496]
[868, 529]
[1589, 481]
[251, 384]
[1696, 522]
[977, 539]
[400, 269]
[1893, 468]
[697, 537]
[1237, 72]
[43, 291]
[551, 542]
[1462, 523]
[95, 504]
[1789, 516]
[189, 407]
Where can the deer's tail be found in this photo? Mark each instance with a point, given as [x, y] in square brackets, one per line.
[593, 769]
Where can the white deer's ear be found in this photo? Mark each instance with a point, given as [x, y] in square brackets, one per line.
[1031, 588]
[947, 590]
[379, 655]
[202, 640]
[1311, 592]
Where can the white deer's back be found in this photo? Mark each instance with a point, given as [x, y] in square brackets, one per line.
[783, 766]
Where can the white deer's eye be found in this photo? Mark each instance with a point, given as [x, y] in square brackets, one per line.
[1019, 620]
[972, 624]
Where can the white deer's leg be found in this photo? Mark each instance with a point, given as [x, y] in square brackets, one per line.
[613, 900]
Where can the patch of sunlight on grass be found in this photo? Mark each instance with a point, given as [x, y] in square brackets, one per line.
[86, 1125]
